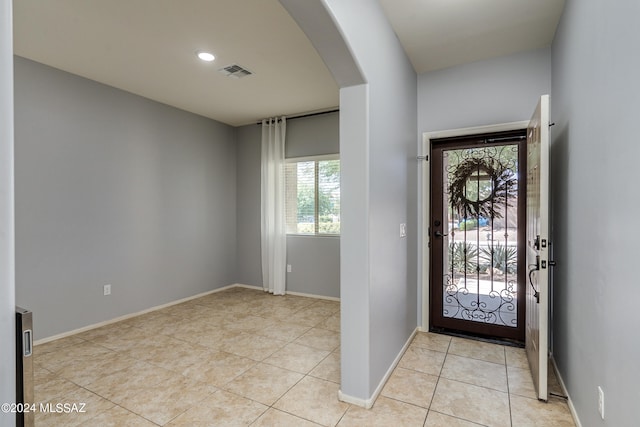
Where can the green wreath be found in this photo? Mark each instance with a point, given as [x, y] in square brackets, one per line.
[504, 188]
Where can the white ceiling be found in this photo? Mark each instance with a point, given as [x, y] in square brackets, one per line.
[148, 47]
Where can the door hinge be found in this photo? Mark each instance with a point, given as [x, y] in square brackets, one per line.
[425, 158]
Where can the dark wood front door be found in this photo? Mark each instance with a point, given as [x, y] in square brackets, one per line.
[477, 226]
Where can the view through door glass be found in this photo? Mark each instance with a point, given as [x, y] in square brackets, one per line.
[477, 236]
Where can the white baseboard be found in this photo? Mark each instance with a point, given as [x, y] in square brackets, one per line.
[368, 403]
[128, 316]
[363, 403]
[240, 285]
[300, 294]
[572, 408]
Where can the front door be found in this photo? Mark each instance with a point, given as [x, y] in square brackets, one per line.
[477, 234]
[538, 246]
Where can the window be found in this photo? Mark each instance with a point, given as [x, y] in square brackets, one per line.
[313, 195]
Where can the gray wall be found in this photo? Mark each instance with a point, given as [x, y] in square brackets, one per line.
[594, 152]
[315, 260]
[7, 282]
[498, 90]
[377, 148]
[248, 204]
[114, 188]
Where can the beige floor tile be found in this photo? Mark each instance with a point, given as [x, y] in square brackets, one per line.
[436, 342]
[386, 412]
[253, 346]
[52, 387]
[436, 419]
[534, 413]
[423, 360]
[167, 352]
[328, 369]
[411, 387]
[477, 350]
[120, 339]
[332, 307]
[320, 339]
[520, 382]
[276, 418]
[191, 311]
[97, 333]
[332, 323]
[315, 400]
[165, 366]
[516, 357]
[162, 403]
[308, 317]
[322, 308]
[41, 374]
[297, 302]
[219, 368]
[182, 330]
[179, 357]
[471, 402]
[279, 313]
[264, 383]
[212, 338]
[57, 360]
[220, 409]
[56, 345]
[118, 417]
[243, 322]
[283, 331]
[297, 358]
[84, 372]
[151, 323]
[121, 385]
[77, 407]
[474, 371]
[148, 347]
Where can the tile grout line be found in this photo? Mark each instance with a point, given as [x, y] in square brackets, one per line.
[435, 388]
[506, 372]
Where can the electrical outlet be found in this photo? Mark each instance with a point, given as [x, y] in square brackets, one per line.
[601, 402]
[107, 289]
[288, 268]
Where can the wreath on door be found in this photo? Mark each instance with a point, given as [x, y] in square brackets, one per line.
[504, 188]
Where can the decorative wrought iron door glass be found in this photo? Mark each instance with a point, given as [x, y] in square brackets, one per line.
[480, 250]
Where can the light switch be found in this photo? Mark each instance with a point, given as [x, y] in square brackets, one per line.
[403, 230]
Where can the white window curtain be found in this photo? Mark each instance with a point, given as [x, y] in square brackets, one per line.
[273, 231]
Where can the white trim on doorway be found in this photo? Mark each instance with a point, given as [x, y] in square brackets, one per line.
[425, 196]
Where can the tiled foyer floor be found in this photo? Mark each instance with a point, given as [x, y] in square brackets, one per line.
[242, 357]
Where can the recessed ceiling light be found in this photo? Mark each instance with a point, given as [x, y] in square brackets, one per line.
[205, 56]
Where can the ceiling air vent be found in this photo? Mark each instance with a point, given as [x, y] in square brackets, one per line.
[235, 71]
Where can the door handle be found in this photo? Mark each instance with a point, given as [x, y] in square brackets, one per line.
[439, 234]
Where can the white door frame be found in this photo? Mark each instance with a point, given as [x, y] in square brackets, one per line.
[425, 195]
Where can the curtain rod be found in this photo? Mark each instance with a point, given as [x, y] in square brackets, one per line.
[308, 115]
